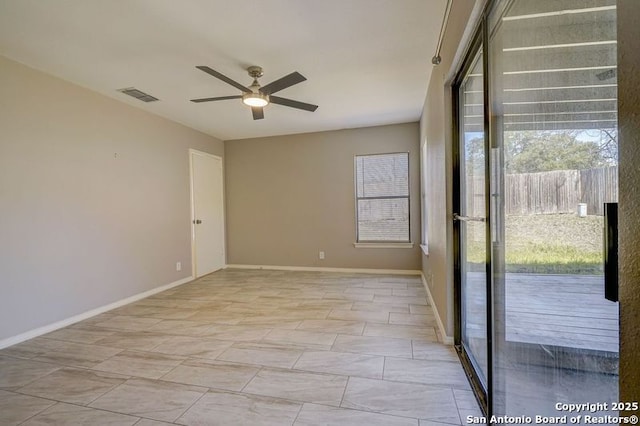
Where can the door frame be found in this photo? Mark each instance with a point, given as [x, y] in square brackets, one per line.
[478, 43]
[193, 152]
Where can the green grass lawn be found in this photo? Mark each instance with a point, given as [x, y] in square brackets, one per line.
[547, 244]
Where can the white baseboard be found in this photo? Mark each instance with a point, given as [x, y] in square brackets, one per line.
[323, 269]
[77, 318]
[446, 339]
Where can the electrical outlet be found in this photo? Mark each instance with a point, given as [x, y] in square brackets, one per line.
[178, 266]
[321, 255]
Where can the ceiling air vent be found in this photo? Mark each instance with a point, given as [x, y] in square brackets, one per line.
[138, 94]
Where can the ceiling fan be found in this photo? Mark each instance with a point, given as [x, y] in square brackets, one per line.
[257, 96]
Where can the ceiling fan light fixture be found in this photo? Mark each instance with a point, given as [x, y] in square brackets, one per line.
[255, 99]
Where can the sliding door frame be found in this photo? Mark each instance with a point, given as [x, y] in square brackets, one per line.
[478, 44]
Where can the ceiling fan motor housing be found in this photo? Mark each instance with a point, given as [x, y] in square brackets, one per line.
[255, 72]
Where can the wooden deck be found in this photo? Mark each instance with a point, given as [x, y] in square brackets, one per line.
[558, 310]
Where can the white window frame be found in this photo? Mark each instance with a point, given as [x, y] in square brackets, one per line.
[382, 243]
[423, 196]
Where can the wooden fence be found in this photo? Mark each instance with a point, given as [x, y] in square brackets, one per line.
[550, 192]
[598, 186]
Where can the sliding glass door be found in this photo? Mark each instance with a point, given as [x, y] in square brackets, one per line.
[470, 220]
[550, 145]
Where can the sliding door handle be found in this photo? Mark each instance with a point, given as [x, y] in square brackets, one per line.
[456, 216]
[611, 251]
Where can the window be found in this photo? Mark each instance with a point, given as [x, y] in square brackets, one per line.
[382, 198]
[423, 193]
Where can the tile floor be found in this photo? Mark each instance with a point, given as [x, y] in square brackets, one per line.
[241, 347]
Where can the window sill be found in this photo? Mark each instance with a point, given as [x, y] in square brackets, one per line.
[425, 249]
[384, 245]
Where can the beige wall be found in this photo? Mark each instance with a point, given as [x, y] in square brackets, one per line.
[290, 197]
[629, 202]
[94, 199]
[435, 130]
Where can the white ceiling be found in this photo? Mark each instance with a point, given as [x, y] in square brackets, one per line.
[367, 62]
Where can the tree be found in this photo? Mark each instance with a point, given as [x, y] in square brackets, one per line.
[529, 152]
[474, 154]
[607, 143]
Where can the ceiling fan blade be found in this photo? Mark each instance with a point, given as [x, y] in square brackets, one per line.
[219, 98]
[293, 104]
[222, 77]
[282, 83]
[258, 113]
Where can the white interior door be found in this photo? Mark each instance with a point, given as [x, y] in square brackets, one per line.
[208, 213]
